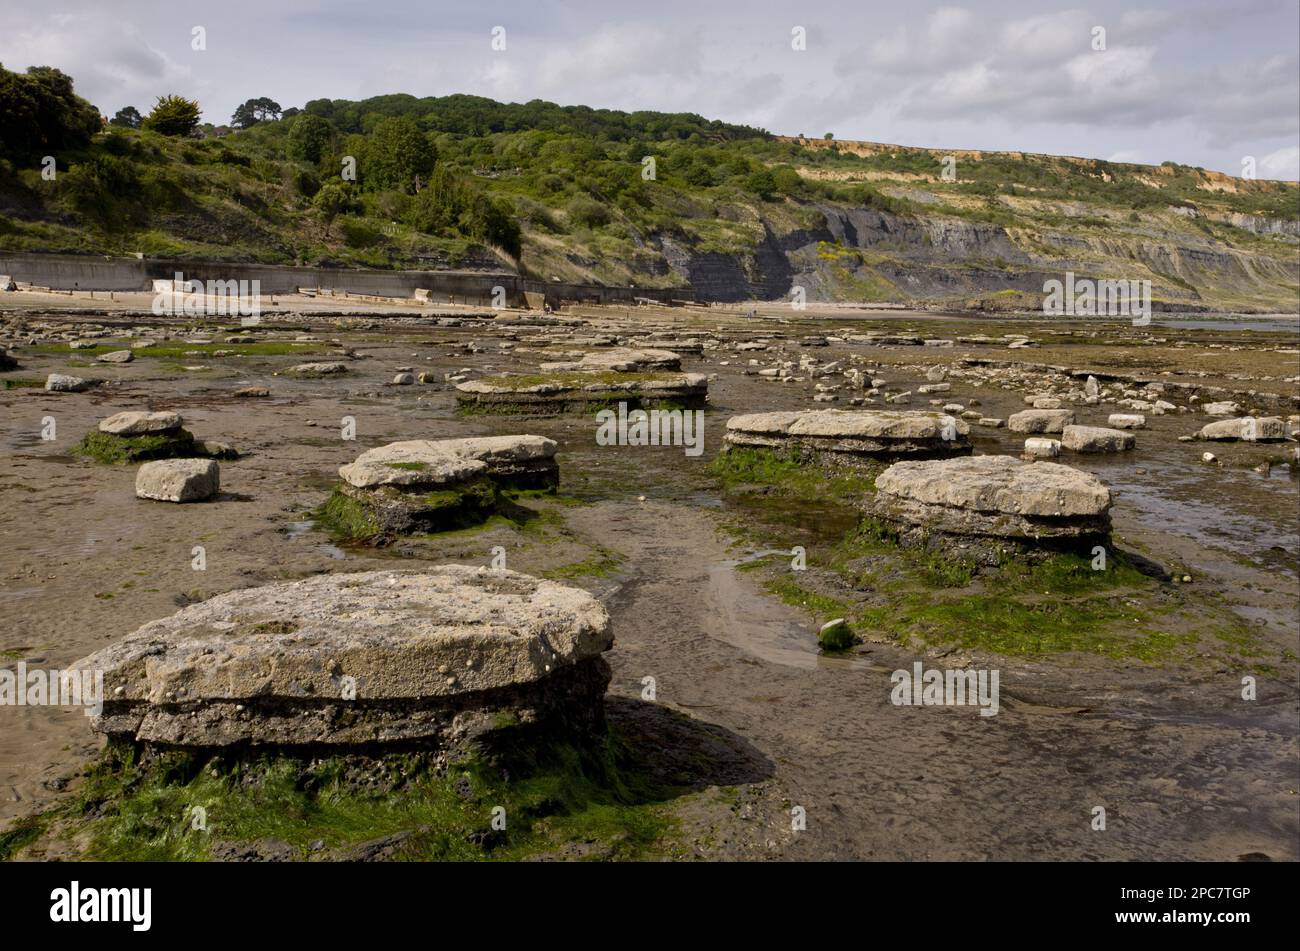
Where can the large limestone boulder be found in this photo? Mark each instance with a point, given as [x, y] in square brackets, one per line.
[995, 496]
[435, 463]
[137, 436]
[1097, 439]
[423, 485]
[379, 657]
[1246, 429]
[867, 433]
[178, 480]
[140, 423]
[1040, 420]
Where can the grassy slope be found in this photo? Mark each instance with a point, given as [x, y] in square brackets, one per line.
[242, 198]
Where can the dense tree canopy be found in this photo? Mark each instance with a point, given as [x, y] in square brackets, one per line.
[309, 138]
[254, 111]
[476, 115]
[398, 155]
[40, 114]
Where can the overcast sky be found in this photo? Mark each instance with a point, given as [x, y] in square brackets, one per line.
[1199, 83]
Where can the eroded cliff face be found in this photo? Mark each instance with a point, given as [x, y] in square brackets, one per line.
[865, 254]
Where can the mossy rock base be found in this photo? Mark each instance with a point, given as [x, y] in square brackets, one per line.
[117, 450]
[987, 550]
[561, 793]
[377, 516]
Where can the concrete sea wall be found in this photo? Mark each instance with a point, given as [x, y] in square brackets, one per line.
[100, 273]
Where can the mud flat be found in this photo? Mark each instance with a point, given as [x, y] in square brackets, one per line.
[551, 393]
[1122, 673]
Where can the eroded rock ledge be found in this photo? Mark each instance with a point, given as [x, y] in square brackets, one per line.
[876, 434]
[560, 392]
[993, 497]
[430, 485]
[379, 657]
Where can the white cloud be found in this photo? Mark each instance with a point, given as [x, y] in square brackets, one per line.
[1283, 164]
[112, 64]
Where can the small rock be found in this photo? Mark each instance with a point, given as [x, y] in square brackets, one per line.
[61, 383]
[1041, 448]
[178, 480]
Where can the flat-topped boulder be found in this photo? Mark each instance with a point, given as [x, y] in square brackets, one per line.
[432, 463]
[879, 434]
[424, 485]
[1246, 429]
[139, 436]
[358, 660]
[618, 361]
[134, 423]
[996, 496]
[1097, 439]
[1040, 420]
[548, 393]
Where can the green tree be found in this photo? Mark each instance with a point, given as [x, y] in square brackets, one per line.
[128, 117]
[309, 138]
[172, 115]
[398, 155]
[449, 204]
[332, 200]
[254, 111]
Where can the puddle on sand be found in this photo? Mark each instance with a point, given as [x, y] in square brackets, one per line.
[23, 439]
[745, 621]
[1239, 521]
[298, 529]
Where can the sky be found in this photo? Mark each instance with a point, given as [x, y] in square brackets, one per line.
[1209, 84]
